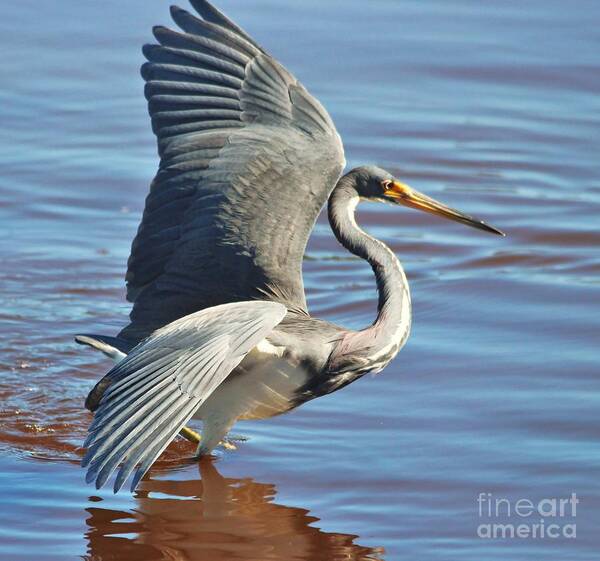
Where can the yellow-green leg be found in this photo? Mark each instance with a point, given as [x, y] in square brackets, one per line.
[190, 435]
[194, 437]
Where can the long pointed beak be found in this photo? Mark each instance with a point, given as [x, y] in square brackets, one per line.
[401, 193]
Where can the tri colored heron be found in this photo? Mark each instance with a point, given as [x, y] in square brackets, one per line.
[220, 329]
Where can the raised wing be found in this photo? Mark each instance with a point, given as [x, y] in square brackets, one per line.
[157, 388]
[248, 158]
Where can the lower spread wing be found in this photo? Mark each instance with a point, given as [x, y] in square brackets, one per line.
[157, 388]
[248, 158]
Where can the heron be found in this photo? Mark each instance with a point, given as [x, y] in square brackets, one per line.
[219, 329]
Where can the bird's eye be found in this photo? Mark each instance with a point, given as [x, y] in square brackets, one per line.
[386, 184]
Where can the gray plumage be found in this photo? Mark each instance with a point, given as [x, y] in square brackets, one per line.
[236, 133]
[157, 388]
[219, 329]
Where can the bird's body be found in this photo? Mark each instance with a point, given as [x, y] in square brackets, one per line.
[220, 330]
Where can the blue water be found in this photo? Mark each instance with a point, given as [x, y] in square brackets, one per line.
[492, 108]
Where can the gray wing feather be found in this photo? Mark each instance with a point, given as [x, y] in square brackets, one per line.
[248, 158]
[163, 381]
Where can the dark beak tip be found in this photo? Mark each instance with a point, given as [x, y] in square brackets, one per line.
[490, 229]
[493, 230]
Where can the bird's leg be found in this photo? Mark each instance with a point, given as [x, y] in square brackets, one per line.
[214, 431]
[227, 441]
[190, 435]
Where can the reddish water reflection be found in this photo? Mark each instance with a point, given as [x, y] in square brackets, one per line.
[214, 518]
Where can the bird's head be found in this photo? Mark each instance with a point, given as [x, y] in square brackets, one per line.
[376, 184]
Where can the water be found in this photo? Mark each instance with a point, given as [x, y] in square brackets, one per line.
[493, 108]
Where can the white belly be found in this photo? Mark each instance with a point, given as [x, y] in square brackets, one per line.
[263, 385]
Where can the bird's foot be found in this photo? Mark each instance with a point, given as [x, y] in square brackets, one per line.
[229, 442]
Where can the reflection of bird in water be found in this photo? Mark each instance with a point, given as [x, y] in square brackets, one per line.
[248, 158]
[213, 519]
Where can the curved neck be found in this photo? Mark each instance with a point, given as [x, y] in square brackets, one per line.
[392, 324]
